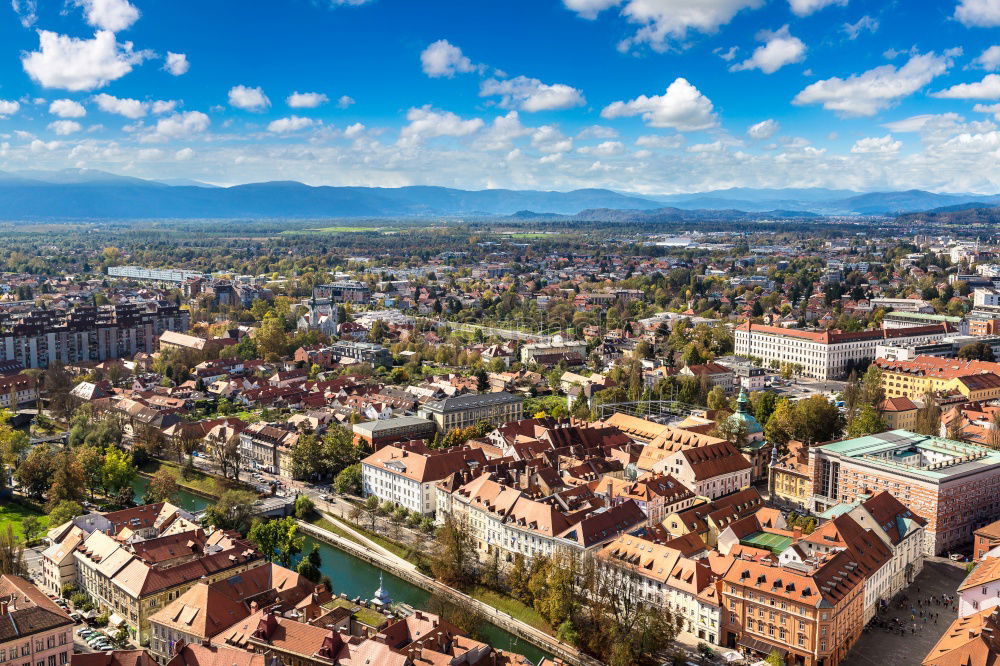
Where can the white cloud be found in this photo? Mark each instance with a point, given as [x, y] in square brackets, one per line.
[427, 123]
[867, 93]
[65, 127]
[921, 122]
[779, 49]
[501, 133]
[113, 15]
[344, 101]
[184, 154]
[604, 149]
[26, 10]
[864, 23]
[881, 144]
[248, 99]
[162, 106]
[289, 124]
[981, 13]
[130, 108]
[989, 59]
[80, 64]
[176, 63]
[531, 94]
[727, 54]
[308, 100]
[765, 129]
[148, 154]
[988, 108]
[67, 108]
[662, 142]
[38, 146]
[589, 9]
[597, 132]
[8, 108]
[662, 20]
[354, 130]
[807, 7]
[179, 125]
[442, 58]
[548, 139]
[681, 107]
[988, 88]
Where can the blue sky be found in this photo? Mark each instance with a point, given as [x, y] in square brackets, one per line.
[649, 96]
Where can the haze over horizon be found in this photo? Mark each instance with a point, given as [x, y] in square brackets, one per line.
[629, 95]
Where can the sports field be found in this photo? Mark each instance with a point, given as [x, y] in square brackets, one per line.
[767, 541]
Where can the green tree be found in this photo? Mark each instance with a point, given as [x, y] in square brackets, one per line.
[92, 463]
[867, 422]
[63, 512]
[67, 480]
[31, 527]
[976, 351]
[232, 511]
[117, 471]
[309, 566]
[305, 508]
[371, 510]
[717, 398]
[11, 553]
[278, 540]
[348, 482]
[308, 461]
[339, 451]
[454, 561]
[162, 487]
[271, 339]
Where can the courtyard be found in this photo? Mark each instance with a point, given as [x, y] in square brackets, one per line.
[878, 647]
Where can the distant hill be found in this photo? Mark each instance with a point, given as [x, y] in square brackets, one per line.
[89, 194]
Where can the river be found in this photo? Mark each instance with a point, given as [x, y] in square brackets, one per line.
[357, 578]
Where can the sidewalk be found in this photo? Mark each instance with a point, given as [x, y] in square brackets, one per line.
[371, 545]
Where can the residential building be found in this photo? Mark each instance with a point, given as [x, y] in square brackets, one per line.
[916, 378]
[350, 291]
[714, 373]
[658, 495]
[34, 631]
[899, 413]
[18, 390]
[363, 352]
[86, 333]
[900, 529]
[709, 519]
[405, 474]
[954, 486]
[154, 274]
[789, 477]
[810, 613]
[981, 588]
[985, 539]
[973, 640]
[710, 471]
[824, 354]
[557, 347]
[268, 447]
[471, 409]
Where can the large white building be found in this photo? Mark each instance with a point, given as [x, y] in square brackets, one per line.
[710, 471]
[825, 354]
[405, 474]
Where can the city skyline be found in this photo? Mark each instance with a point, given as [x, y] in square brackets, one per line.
[645, 96]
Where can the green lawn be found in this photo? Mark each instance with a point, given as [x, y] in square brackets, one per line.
[197, 480]
[13, 514]
[512, 607]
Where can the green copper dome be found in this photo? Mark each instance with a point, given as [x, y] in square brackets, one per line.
[743, 413]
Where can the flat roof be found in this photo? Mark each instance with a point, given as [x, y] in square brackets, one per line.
[390, 424]
[922, 456]
[775, 543]
[923, 316]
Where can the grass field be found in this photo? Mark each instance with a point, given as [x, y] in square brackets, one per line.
[198, 480]
[527, 235]
[370, 617]
[12, 513]
[512, 607]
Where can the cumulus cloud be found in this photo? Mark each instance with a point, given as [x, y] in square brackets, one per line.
[344, 101]
[765, 129]
[502, 132]
[248, 99]
[549, 140]
[663, 20]
[988, 59]
[980, 13]
[113, 15]
[289, 124]
[67, 108]
[531, 94]
[861, 25]
[880, 144]
[8, 108]
[179, 126]
[427, 123]
[868, 93]
[162, 106]
[597, 132]
[604, 149]
[80, 64]
[184, 154]
[993, 109]
[780, 48]
[65, 127]
[130, 108]
[307, 100]
[988, 88]
[662, 142]
[807, 7]
[681, 107]
[176, 63]
[442, 58]
[589, 9]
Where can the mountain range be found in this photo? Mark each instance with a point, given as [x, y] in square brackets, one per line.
[90, 194]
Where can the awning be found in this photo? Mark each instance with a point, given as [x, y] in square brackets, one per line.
[116, 620]
[731, 656]
[760, 646]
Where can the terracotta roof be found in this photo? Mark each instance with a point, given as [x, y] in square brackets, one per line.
[670, 440]
[425, 466]
[714, 460]
[215, 655]
[969, 641]
[987, 571]
[900, 404]
[113, 658]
